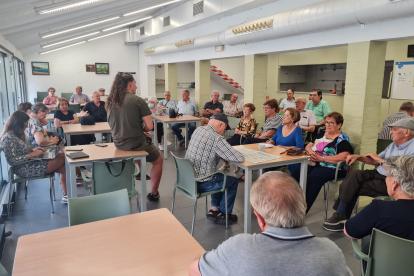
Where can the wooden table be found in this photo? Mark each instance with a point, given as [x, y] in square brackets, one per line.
[167, 120]
[249, 167]
[51, 117]
[103, 154]
[78, 129]
[150, 243]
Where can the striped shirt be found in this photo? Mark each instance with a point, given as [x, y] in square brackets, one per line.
[206, 149]
[273, 123]
[231, 109]
[390, 119]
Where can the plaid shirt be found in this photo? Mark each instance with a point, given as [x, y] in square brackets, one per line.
[231, 109]
[205, 150]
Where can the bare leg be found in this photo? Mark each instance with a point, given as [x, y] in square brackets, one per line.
[58, 165]
[156, 173]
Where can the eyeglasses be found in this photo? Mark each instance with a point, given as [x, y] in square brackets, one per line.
[330, 123]
[266, 108]
[285, 115]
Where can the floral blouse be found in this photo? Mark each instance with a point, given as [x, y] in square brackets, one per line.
[250, 127]
[34, 126]
[50, 100]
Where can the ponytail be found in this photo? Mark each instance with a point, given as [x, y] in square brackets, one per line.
[117, 94]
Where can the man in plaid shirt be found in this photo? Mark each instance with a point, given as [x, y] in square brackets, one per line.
[206, 148]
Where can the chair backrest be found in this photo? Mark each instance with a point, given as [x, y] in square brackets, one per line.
[186, 177]
[66, 95]
[390, 255]
[233, 122]
[75, 108]
[41, 96]
[98, 207]
[354, 147]
[257, 128]
[105, 181]
[382, 144]
[3, 271]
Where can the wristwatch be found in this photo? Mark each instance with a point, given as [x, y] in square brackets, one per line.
[382, 162]
[207, 109]
[323, 158]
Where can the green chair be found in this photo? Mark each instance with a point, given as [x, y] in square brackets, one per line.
[66, 95]
[3, 271]
[186, 184]
[75, 108]
[112, 176]
[382, 144]
[388, 255]
[98, 207]
[354, 147]
[233, 123]
[41, 96]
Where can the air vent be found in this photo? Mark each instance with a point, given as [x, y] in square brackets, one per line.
[142, 31]
[167, 21]
[198, 8]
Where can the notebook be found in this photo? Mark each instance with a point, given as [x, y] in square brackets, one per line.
[53, 151]
[77, 155]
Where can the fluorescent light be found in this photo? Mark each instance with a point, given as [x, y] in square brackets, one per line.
[150, 8]
[64, 41]
[80, 27]
[62, 47]
[126, 24]
[107, 35]
[65, 7]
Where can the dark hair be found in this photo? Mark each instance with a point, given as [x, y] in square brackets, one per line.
[407, 106]
[294, 113]
[17, 124]
[60, 101]
[293, 91]
[117, 94]
[336, 116]
[39, 107]
[272, 104]
[318, 91]
[251, 106]
[24, 106]
[52, 89]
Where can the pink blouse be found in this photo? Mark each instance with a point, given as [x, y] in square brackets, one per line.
[50, 100]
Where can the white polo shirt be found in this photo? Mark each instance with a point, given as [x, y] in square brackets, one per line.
[307, 118]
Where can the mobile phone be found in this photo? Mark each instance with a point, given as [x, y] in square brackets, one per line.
[101, 145]
[74, 149]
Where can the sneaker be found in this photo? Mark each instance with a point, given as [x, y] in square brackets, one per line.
[336, 219]
[169, 143]
[224, 167]
[138, 177]
[153, 198]
[334, 228]
[88, 174]
[65, 199]
[181, 143]
[161, 146]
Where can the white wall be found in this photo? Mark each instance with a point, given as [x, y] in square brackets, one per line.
[10, 47]
[233, 67]
[67, 66]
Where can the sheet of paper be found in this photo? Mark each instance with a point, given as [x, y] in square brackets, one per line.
[254, 156]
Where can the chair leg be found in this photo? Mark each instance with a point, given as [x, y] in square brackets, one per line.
[53, 188]
[172, 207]
[194, 216]
[26, 183]
[324, 192]
[326, 200]
[227, 215]
[51, 193]
[206, 207]
[138, 207]
[356, 206]
[9, 202]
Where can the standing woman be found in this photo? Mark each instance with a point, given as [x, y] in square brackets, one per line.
[19, 151]
[51, 99]
[130, 120]
[156, 110]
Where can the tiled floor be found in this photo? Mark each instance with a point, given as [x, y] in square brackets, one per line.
[34, 215]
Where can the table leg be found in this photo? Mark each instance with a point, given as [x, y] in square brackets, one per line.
[155, 133]
[68, 139]
[247, 206]
[260, 172]
[165, 141]
[186, 135]
[143, 184]
[49, 125]
[303, 174]
[71, 182]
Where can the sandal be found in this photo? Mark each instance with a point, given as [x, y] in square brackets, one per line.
[213, 215]
[221, 218]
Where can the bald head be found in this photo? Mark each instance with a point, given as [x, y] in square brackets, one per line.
[300, 103]
[78, 90]
[219, 126]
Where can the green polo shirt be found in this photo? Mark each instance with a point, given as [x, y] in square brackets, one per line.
[321, 110]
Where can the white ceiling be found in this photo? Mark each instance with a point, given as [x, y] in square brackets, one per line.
[21, 25]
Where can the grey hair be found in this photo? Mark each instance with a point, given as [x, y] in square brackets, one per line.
[278, 198]
[214, 91]
[186, 91]
[101, 89]
[402, 169]
[152, 99]
[302, 99]
[167, 92]
[39, 107]
[407, 106]
[94, 93]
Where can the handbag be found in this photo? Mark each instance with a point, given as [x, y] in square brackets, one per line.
[294, 152]
[172, 113]
[87, 120]
[109, 168]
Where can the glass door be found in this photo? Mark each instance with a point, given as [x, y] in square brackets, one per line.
[4, 114]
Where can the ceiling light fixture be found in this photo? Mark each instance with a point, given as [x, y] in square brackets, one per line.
[126, 24]
[80, 27]
[62, 47]
[150, 8]
[107, 35]
[64, 41]
[59, 7]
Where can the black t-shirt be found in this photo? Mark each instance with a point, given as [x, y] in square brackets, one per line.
[392, 217]
[59, 115]
[210, 105]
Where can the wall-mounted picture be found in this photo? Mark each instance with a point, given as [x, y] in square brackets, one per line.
[102, 68]
[40, 68]
[90, 67]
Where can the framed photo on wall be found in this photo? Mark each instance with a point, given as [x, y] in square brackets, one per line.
[40, 68]
[90, 67]
[102, 68]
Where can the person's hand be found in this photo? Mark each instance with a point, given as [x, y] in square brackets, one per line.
[37, 151]
[350, 159]
[236, 131]
[270, 142]
[256, 135]
[147, 133]
[315, 157]
[84, 113]
[54, 140]
[374, 157]
[75, 121]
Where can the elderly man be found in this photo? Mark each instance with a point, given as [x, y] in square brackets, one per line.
[285, 247]
[167, 103]
[231, 108]
[289, 101]
[104, 97]
[406, 111]
[370, 182]
[307, 118]
[96, 108]
[185, 107]
[79, 97]
[318, 106]
[211, 108]
[205, 150]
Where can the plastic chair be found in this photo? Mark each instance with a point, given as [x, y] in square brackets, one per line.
[326, 193]
[388, 255]
[75, 108]
[105, 181]
[382, 144]
[3, 271]
[66, 96]
[98, 207]
[233, 123]
[186, 184]
[41, 96]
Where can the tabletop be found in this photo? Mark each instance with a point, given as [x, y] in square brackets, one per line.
[180, 119]
[100, 153]
[149, 243]
[52, 116]
[78, 128]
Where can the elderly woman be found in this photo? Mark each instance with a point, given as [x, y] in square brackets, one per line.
[51, 99]
[26, 107]
[19, 151]
[156, 110]
[36, 134]
[329, 148]
[392, 217]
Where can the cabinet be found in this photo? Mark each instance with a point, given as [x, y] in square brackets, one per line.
[292, 74]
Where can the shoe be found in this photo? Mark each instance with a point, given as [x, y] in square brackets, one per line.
[169, 143]
[161, 146]
[221, 219]
[138, 177]
[334, 228]
[181, 143]
[213, 215]
[88, 174]
[336, 219]
[65, 199]
[224, 167]
[153, 198]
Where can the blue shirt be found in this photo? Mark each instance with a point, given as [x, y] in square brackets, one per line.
[98, 112]
[187, 108]
[393, 150]
[292, 140]
[170, 104]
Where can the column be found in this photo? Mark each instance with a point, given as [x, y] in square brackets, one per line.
[151, 91]
[273, 71]
[255, 83]
[202, 83]
[171, 79]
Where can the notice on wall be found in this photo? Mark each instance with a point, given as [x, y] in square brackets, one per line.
[403, 81]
